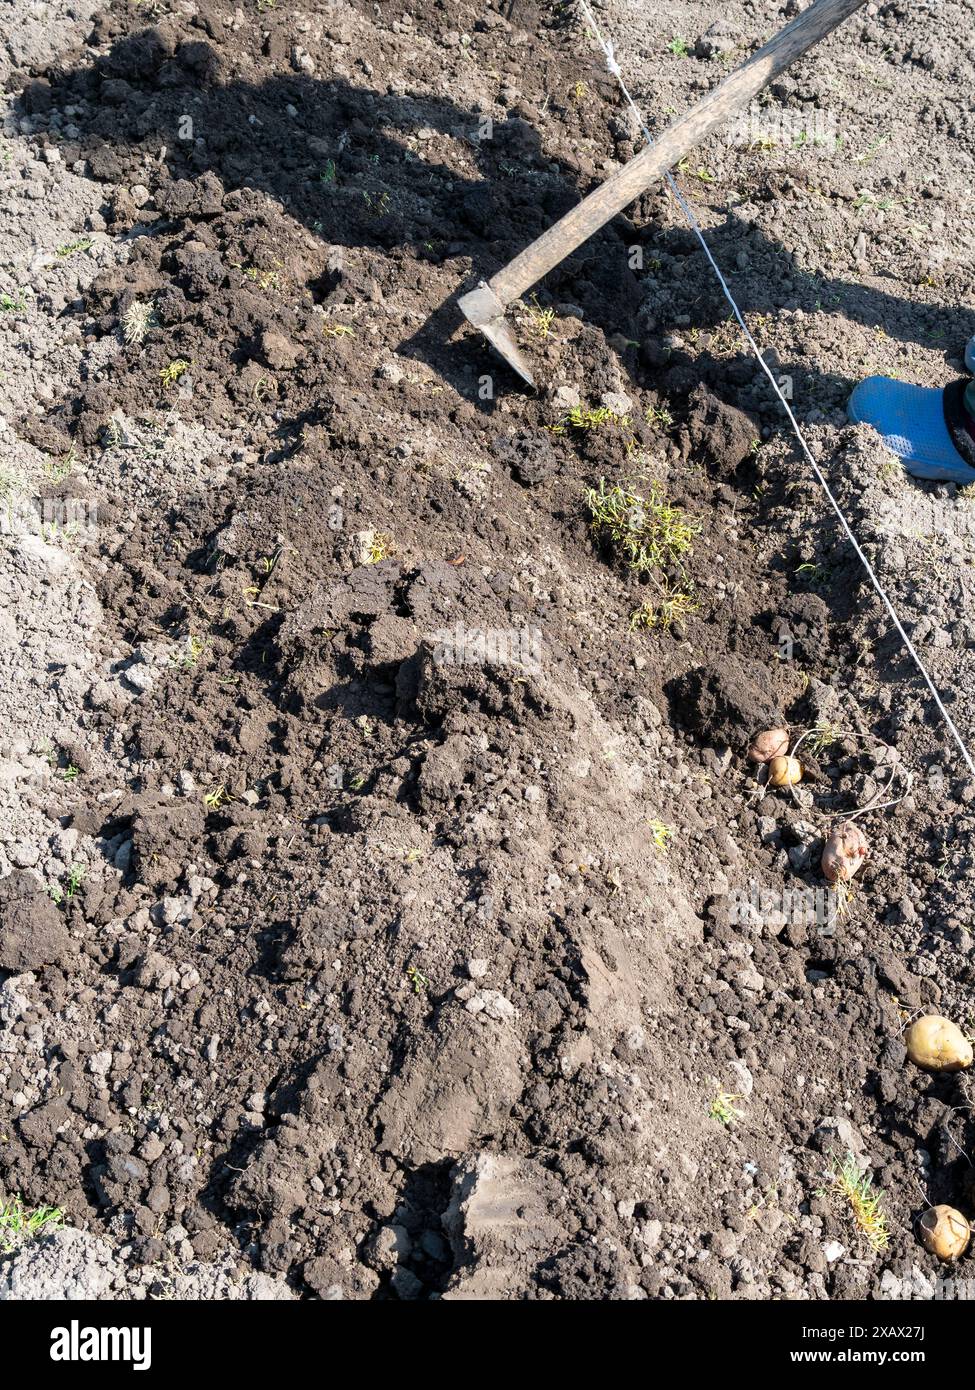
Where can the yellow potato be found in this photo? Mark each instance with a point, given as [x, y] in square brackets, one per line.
[944, 1232]
[773, 743]
[784, 772]
[844, 852]
[937, 1044]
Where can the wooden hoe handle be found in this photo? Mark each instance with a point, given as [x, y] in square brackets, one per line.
[652, 163]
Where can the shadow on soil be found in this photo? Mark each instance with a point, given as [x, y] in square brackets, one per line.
[335, 157]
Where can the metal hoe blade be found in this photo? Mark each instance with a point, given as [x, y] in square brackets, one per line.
[484, 310]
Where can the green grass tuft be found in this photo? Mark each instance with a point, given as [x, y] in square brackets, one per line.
[724, 1110]
[647, 533]
[18, 1223]
[855, 1185]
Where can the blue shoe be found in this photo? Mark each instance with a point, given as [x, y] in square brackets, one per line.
[926, 427]
[970, 355]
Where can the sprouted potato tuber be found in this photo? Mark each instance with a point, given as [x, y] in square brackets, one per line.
[937, 1044]
[773, 743]
[784, 772]
[844, 852]
[944, 1232]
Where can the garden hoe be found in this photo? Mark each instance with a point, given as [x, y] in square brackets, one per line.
[485, 306]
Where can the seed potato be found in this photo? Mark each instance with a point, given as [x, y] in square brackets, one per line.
[937, 1044]
[773, 743]
[944, 1232]
[844, 852]
[784, 772]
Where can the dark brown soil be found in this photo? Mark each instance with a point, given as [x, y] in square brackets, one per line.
[32, 931]
[382, 919]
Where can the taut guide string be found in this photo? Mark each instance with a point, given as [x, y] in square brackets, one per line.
[688, 212]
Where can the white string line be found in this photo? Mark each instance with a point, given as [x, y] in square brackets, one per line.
[688, 212]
